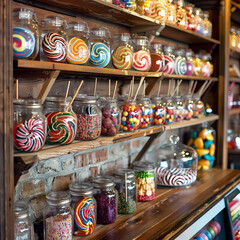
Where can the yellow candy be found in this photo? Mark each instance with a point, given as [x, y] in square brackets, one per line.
[190, 142]
[125, 113]
[209, 136]
[133, 107]
[202, 152]
[198, 143]
[202, 134]
[125, 128]
[204, 164]
[212, 149]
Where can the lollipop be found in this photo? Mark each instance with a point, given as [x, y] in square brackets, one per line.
[180, 66]
[122, 58]
[99, 54]
[189, 71]
[157, 62]
[207, 69]
[77, 51]
[169, 65]
[54, 47]
[23, 42]
[159, 11]
[142, 60]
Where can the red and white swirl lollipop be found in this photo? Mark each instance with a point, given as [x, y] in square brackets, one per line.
[142, 60]
[169, 65]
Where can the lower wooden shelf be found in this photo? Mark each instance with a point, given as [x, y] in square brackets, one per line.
[234, 111]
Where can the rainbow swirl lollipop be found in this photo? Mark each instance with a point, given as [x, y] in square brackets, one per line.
[61, 127]
[84, 217]
[77, 51]
[142, 60]
[99, 54]
[122, 58]
[54, 47]
[23, 42]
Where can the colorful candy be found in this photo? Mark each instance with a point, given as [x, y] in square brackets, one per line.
[122, 58]
[158, 114]
[189, 71]
[169, 65]
[197, 66]
[119, 3]
[130, 4]
[159, 10]
[157, 62]
[180, 65]
[143, 7]
[142, 60]
[170, 111]
[147, 115]
[126, 207]
[207, 69]
[199, 110]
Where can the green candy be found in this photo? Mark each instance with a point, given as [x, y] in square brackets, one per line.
[126, 207]
[192, 146]
[194, 135]
[207, 144]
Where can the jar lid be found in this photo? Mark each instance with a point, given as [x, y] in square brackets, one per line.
[103, 182]
[143, 166]
[156, 98]
[80, 189]
[79, 26]
[189, 53]
[107, 99]
[179, 52]
[156, 45]
[86, 98]
[141, 40]
[28, 103]
[143, 99]
[206, 14]
[101, 32]
[55, 20]
[59, 100]
[188, 96]
[58, 198]
[23, 13]
[20, 210]
[125, 37]
[122, 171]
[177, 97]
[168, 49]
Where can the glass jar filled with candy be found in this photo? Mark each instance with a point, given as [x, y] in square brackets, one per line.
[146, 111]
[159, 10]
[199, 109]
[58, 216]
[233, 37]
[23, 228]
[169, 59]
[189, 57]
[145, 180]
[25, 33]
[180, 111]
[158, 111]
[122, 55]
[53, 40]
[78, 43]
[126, 187]
[89, 117]
[143, 7]
[107, 198]
[170, 110]
[197, 65]
[180, 65]
[157, 57]
[207, 66]
[85, 208]
[142, 56]
[189, 106]
[119, 3]
[121, 100]
[130, 4]
[171, 12]
[199, 20]
[207, 25]
[191, 23]
[181, 14]
[100, 54]
[29, 125]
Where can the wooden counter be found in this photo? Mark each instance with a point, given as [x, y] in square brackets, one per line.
[173, 210]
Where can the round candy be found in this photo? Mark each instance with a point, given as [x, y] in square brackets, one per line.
[207, 233]
[207, 69]
[77, 51]
[99, 54]
[159, 11]
[142, 60]
[180, 66]
[203, 236]
[122, 58]
[197, 238]
[169, 65]
[157, 62]
[23, 42]
[189, 71]
[54, 47]
[217, 225]
[211, 232]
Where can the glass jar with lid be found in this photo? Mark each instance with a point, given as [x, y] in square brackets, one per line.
[180, 111]
[58, 216]
[207, 66]
[25, 33]
[233, 37]
[143, 7]
[89, 117]
[157, 57]
[170, 110]
[189, 106]
[199, 109]
[100, 54]
[122, 56]
[176, 164]
[159, 10]
[199, 20]
[180, 65]
[207, 25]
[171, 12]
[181, 14]
[141, 57]
[78, 43]
[197, 65]
[53, 40]
[85, 208]
[146, 111]
[121, 99]
[107, 198]
[145, 180]
[158, 111]
[189, 57]
[191, 23]
[169, 59]
[30, 125]
[23, 228]
[126, 187]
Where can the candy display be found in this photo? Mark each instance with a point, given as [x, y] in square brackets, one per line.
[199, 109]
[233, 37]
[119, 3]
[199, 20]
[191, 23]
[146, 112]
[207, 25]
[143, 7]
[130, 4]
[159, 10]
[169, 109]
[189, 106]
[158, 111]
[181, 15]
[207, 66]
[180, 65]
[189, 56]
[197, 66]
[180, 111]
[157, 58]
[169, 60]
[171, 12]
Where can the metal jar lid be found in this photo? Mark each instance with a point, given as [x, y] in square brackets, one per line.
[103, 182]
[20, 210]
[122, 171]
[58, 198]
[143, 166]
[59, 101]
[86, 99]
[81, 189]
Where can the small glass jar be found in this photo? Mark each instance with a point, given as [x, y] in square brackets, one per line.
[144, 7]
[169, 59]
[78, 43]
[126, 187]
[100, 54]
[158, 111]
[170, 110]
[53, 40]
[58, 216]
[141, 57]
[180, 111]
[181, 14]
[145, 180]
[146, 111]
[89, 117]
[30, 125]
[23, 228]
[197, 65]
[189, 106]
[157, 57]
[207, 25]
[207, 66]
[130, 4]
[159, 10]
[122, 56]
[191, 23]
[189, 57]
[199, 109]
[25, 33]
[199, 20]
[107, 198]
[180, 65]
[85, 208]
[171, 12]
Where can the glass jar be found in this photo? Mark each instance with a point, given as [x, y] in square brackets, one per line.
[180, 111]
[107, 198]
[25, 33]
[119, 3]
[176, 164]
[145, 180]
[144, 7]
[159, 10]
[121, 99]
[181, 15]
[100, 54]
[29, 125]
[180, 65]
[23, 228]
[207, 25]
[158, 111]
[197, 65]
[130, 4]
[141, 57]
[191, 23]
[189, 106]
[131, 116]
[233, 37]
[207, 66]
[61, 120]
[53, 40]
[146, 111]
[58, 216]
[199, 20]
[170, 110]
[171, 12]
[111, 116]
[85, 208]
[78, 43]
[89, 117]
[126, 187]
[199, 109]
[122, 56]
[157, 57]
[168, 59]
[189, 57]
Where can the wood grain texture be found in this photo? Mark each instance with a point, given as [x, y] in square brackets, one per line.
[234, 111]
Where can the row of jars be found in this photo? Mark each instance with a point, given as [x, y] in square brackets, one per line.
[235, 37]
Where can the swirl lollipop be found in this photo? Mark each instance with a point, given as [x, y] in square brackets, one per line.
[180, 66]
[122, 58]
[169, 65]
[54, 47]
[189, 71]
[157, 62]
[159, 11]
[142, 60]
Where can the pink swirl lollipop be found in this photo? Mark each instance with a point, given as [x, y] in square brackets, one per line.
[169, 65]
[142, 60]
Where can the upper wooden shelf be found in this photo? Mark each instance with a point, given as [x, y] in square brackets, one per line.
[234, 79]
[234, 111]
[235, 12]
[50, 151]
[234, 52]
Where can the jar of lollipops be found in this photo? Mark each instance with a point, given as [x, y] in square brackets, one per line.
[25, 34]
[189, 106]
[159, 111]
[146, 111]
[169, 59]
[189, 57]
[199, 109]
[157, 57]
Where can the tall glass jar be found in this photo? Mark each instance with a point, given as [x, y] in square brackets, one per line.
[170, 110]
[147, 114]
[85, 208]
[207, 25]
[158, 111]
[122, 56]
[233, 37]
[157, 57]
[191, 23]
[145, 180]
[180, 111]
[78, 43]
[89, 117]
[181, 14]
[197, 65]
[53, 40]
[107, 199]
[199, 109]
[180, 65]
[199, 20]
[58, 216]
[126, 187]
[23, 228]
[189, 57]
[189, 106]
[61, 120]
[144, 7]
[100, 54]
[159, 10]
[141, 57]
[207, 66]
[169, 59]
[171, 12]
[29, 125]
[25, 33]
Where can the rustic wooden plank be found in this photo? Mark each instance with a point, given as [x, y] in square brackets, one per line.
[234, 111]
[234, 79]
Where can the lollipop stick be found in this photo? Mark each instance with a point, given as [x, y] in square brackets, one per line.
[115, 88]
[132, 86]
[159, 86]
[66, 95]
[194, 87]
[109, 87]
[130, 89]
[201, 89]
[139, 86]
[95, 87]
[169, 86]
[190, 86]
[16, 88]
[176, 88]
[206, 87]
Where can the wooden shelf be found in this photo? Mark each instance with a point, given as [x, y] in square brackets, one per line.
[234, 151]
[215, 79]
[50, 151]
[234, 111]
[234, 79]
[234, 52]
